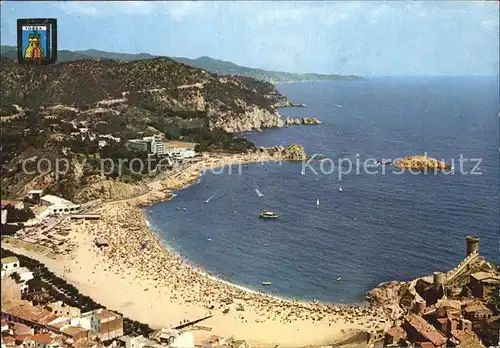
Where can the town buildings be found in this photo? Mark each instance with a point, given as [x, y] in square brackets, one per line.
[59, 319]
[449, 309]
[152, 145]
[179, 149]
[16, 204]
[156, 146]
[35, 195]
[11, 265]
[41, 340]
[418, 330]
[60, 308]
[105, 323]
[483, 283]
[174, 338]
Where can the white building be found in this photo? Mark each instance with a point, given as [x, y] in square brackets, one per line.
[214, 341]
[105, 323]
[179, 149]
[60, 308]
[174, 338]
[110, 137]
[184, 339]
[81, 321]
[11, 265]
[140, 342]
[35, 194]
[16, 204]
[4, 216]
[152, 145]
[58, 205]
[41, 340]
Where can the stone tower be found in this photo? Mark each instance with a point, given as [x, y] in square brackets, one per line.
[472, 244]
[439, 279]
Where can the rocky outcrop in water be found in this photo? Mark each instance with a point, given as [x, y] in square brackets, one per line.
[293, 152]
[422, 162]
[302, 121]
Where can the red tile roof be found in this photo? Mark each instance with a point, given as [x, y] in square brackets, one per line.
[427, 330]
[21, 338]
[25, 310]
[43, 338]
[426, 345]
[397, 332]
[462, 335]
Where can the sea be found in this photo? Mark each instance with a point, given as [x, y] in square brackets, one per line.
[372, 224]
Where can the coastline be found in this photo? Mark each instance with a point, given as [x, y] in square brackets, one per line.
[152, 281]
[206, 273]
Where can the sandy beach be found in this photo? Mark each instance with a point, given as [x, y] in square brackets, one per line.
[138, 276]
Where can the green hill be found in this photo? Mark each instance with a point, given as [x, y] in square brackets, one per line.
[210, 64]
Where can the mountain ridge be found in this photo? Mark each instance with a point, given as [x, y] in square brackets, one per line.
[212, 65]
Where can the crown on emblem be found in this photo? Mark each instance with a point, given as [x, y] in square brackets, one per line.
[34, 36]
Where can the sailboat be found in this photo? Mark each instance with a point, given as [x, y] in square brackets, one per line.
[317, 202]
[209, 198]
[258, 193]
[340, 189]
[302, 172]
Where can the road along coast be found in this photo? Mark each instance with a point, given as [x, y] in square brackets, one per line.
[140, 277]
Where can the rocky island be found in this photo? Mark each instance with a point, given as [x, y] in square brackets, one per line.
[302, 121]
[421, 162]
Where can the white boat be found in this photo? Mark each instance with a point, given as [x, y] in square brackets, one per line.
[339, 279]
[317, 202]
[267, 283]
[302, 172]
[340, 189]
[338, 105]
[209, 198]
[258, 193]
[209, 239]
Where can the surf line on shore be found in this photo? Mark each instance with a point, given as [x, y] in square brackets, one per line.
[203, 272]
[155, 232]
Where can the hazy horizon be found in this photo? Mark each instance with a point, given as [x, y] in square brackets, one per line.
[369, 39]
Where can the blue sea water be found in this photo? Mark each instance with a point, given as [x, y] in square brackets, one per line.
[380, 227]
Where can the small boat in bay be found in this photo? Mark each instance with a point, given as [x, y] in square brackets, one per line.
[339, 279]
[268, 215]
[267, 283]
[317, 202]
[209, 198]
[258, 193]
[340, 189]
